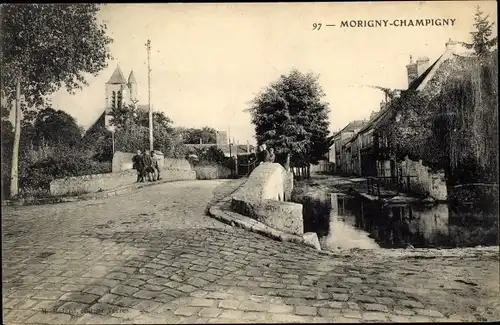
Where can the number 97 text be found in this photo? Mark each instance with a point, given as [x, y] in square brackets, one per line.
[317, 26]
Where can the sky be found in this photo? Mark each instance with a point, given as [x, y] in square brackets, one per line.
[208, 61]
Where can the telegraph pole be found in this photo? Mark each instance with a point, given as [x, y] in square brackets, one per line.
[148, 47]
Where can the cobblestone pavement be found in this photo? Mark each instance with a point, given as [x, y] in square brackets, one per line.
[154, 257]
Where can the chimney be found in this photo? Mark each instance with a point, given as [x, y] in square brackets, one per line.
[248, 146]
[422, 65]
[382, 105]
[411, 68]
[372, 115]
[451, 46]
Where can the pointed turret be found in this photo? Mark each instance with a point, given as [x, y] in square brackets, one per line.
[131, 78]
[117, 77]
[132, 85]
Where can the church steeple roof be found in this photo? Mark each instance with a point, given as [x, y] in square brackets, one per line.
[117, 77]
[131, 78]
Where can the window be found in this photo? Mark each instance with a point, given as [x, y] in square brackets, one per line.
[113, 99]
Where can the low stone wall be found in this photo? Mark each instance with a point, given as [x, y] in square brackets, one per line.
[284, 216]
[427, 181]
[262, 196]
[123, 161]
[104, 182]
[212, 172]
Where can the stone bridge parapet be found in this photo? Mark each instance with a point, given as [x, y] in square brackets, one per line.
[263, 197]
[122, 175]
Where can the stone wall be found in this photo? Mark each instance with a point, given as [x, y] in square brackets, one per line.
[214, 171]
[427, 181]
[123, 161]
[262, 198]
[104, 182]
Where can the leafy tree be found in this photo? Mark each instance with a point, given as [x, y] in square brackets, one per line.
[289, 116]
[57, 128]
[46, 46]
[481, 37]
[195, 136]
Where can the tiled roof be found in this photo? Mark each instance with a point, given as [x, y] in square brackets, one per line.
[117, 77]
[375, 119]
[414, 85]
[380, 117]
[144, 108]
[352, 126]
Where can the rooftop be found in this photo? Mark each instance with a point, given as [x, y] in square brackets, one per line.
[117, 77]
[352, 126]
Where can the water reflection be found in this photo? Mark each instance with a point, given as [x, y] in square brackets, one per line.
[346, 222]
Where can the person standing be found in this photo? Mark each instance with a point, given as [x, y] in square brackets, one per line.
[263, 154]
[148, 165]
[138, 165]
[271, 156]
[154, 159]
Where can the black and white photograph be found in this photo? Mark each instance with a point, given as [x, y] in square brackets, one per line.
[280, 162]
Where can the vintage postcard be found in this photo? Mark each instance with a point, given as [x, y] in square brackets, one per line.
[249, 162]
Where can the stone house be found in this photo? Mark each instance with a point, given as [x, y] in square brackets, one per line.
[342, 163]
[377, 158]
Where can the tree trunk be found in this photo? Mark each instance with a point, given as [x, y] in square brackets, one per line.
[14, 171]
[308, 169]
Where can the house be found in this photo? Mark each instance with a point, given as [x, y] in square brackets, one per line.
[222, 142]
[367, 157]
[422, 77]
[340, 139]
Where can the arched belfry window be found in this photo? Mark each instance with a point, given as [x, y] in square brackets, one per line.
[119, 101]
[113, 99]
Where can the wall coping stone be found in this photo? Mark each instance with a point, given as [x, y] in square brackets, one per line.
[84, 197]
[217, 211]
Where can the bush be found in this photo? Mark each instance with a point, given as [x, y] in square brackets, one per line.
[36, 178]
[211, 154]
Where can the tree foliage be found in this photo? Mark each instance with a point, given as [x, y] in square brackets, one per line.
[194, 135]
[56, 128]
[47, 46]
[132, 134]
[456, 128]
[289, 115]
[481, 36]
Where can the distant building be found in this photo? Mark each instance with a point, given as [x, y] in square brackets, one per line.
[222, 142]
[340, 139]
[221, 138]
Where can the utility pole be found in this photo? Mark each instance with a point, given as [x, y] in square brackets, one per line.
[14, 173]
[148, 47]
[229, 139]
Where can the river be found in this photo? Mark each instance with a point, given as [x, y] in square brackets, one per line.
[344, 221]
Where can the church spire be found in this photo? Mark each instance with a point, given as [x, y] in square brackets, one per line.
[131, 78]
[117, 77]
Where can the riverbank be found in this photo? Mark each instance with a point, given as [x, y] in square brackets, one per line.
[434, 285]
[343, 219]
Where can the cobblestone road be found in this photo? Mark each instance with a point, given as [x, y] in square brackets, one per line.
[154, 257]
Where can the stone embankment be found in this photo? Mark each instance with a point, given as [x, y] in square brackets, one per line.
[258, 205]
